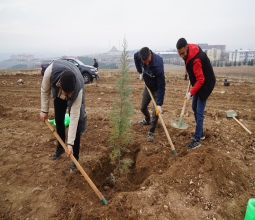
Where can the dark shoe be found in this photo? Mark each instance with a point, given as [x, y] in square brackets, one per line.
[72, 167]
[193, 144]
[144, 122]
[57, 154]
[150, 137]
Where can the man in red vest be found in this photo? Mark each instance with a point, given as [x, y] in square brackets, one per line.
[202, 79]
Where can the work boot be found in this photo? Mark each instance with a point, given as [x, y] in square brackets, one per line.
[72, 167]
[57, 154]
[144, 122]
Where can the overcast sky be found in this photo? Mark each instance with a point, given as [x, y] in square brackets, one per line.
[80, 27]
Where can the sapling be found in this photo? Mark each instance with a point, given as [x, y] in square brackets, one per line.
[120, 117]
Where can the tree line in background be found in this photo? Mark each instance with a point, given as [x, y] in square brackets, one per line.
[229, 63]
[20, 67]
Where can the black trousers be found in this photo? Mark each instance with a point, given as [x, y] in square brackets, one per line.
[60, 107]
[144, 108]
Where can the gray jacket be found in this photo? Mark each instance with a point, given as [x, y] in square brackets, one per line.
[76, 103]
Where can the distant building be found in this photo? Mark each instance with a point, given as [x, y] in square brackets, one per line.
[213, 54]
[208, 47]
[114, 51]
[167, 54]
[22, 57]
[241, 55]
[168, 57]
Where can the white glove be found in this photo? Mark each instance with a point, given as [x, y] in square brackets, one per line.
[188, 96]
[141, 76]
[158, 109]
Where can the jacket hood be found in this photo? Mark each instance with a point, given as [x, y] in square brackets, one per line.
[193, 51]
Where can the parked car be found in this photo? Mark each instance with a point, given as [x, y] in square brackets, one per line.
[45, 64]
[88, 72]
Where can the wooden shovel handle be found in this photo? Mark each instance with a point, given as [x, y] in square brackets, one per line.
[185, 102]
[242, 125]
[163, 123]
[92, 185]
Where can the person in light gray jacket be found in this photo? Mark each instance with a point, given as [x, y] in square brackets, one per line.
[64, 82]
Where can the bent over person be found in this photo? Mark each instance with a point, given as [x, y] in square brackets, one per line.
[64, 82]
[202, 79]
[151, 69]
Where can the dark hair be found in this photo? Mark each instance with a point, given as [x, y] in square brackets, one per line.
[181, 43]
[67, 81]
[145, 53]
[94, 59]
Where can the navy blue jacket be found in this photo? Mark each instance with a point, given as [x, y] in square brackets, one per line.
[153, 75]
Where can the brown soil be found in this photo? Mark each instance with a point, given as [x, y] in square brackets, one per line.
[213, 182]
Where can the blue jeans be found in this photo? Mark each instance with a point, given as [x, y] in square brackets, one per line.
[198, 108]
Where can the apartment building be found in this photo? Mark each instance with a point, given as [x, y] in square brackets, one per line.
[241, 55]
[213, 54]
[22, 57]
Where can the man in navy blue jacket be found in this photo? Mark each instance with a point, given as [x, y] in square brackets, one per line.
[151, 69]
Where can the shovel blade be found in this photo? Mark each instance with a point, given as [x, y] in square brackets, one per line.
[179, 124]
[231, 113]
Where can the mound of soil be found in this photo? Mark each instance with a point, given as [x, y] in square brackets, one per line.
[213, 182]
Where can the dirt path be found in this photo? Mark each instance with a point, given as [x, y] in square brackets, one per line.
[212, 182]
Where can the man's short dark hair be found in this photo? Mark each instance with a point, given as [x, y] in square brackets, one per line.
[67, 81]
[181, 43]
[145, 53]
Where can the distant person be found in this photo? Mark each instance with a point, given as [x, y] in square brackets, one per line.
[202, 79]
[95, 64]
[151, 69]
[64, 82]
[186, 75]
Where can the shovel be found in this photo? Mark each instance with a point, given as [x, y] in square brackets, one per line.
[92, 185]
[163, 123]
[179, 124]
[233, 114]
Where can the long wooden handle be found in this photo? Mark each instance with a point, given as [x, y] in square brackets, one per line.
[242, 125]
[185, 101]
[92, 185]
[163, 123]
[183, 108]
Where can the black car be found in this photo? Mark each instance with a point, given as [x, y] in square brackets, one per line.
[88, 72]
[45, 64]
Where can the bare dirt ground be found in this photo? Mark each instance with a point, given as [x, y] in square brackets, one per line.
[212, 182]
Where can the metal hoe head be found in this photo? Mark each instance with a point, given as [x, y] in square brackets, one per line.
[179, 124]
[231, 113]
